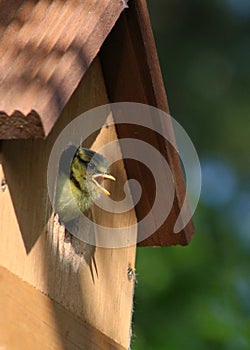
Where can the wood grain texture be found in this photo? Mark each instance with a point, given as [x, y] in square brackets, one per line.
[132, 74]
[27, 321]
[90, 282]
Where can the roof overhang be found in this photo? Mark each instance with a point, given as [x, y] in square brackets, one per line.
[46, 48]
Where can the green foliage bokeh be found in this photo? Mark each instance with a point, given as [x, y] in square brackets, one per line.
[198, 297]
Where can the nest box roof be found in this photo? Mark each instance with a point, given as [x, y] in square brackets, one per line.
[45, 49]
[47, 46]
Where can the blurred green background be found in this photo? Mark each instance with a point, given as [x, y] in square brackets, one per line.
[198, 297]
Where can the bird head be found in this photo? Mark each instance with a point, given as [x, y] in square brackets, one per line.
[89, 170]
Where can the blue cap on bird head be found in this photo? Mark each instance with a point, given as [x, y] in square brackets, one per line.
[93, 161]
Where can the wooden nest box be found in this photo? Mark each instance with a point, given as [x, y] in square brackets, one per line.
[58, 60]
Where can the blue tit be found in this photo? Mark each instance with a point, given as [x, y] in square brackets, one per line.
[76, 193]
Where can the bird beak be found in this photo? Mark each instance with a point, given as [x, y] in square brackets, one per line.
[98, 180]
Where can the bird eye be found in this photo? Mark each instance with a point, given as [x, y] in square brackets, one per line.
[91, 166]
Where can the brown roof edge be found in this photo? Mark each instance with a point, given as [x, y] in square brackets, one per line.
[132, 74]
[19, 126]
[52, 46]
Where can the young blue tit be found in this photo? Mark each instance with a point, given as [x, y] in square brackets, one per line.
[77, 192]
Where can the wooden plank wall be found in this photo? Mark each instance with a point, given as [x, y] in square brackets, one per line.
[89, 282]
[29, 321]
